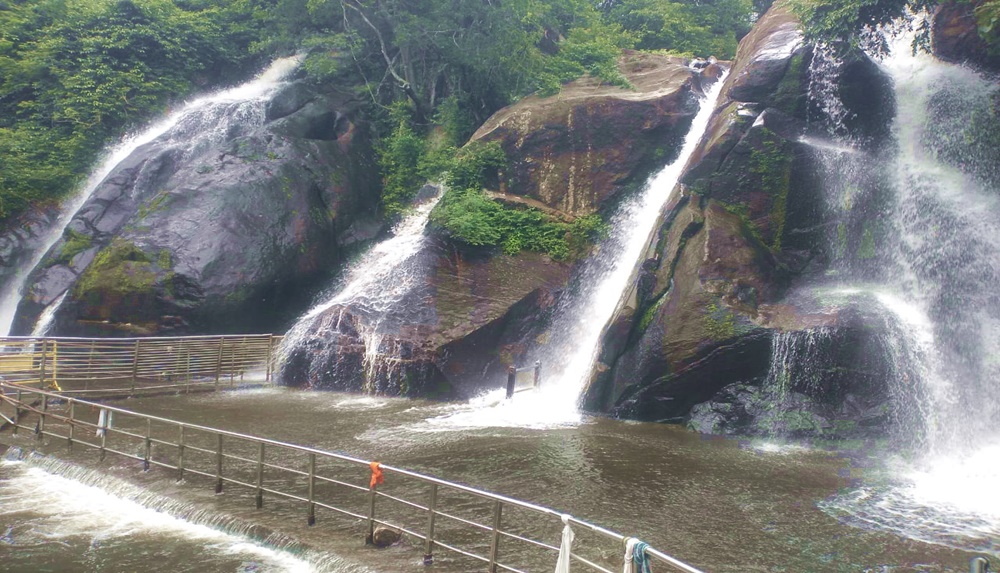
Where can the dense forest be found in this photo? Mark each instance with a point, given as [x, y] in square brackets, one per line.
[77, 74]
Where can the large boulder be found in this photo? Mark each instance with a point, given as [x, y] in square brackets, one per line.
[463, 318]
[747, 226]
[473, 313]
[203, 231]
[574, 151]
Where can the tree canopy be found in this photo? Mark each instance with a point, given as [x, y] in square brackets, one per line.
[74, 74]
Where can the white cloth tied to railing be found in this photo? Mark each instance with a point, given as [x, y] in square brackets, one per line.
[562, 564]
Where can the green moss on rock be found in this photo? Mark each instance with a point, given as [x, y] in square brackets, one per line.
[74, 244]
[122, 277]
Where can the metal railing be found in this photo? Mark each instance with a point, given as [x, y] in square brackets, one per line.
[101, 366]
[494, 530]
[523, 379]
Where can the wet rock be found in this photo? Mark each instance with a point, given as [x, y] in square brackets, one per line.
[384, 536]
[576, 150]
[747, 227]
[955, 36]
[231, 235]
[465, 318]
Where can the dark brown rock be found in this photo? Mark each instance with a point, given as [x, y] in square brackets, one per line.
[385, 536]
[576, 150]
[468, 318]
[955, 36]
[748, 222]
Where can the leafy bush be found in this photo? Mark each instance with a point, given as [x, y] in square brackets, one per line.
[469, 216]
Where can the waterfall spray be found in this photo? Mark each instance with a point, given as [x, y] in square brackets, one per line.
[373, 285]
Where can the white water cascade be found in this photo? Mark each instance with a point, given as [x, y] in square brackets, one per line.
[569, 356]
[76, 511]
[198, 122]
[941, 264]
[373, 285]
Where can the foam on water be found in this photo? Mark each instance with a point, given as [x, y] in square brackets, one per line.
[65, 509]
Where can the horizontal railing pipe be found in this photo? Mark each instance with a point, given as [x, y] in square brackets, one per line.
[239, 460]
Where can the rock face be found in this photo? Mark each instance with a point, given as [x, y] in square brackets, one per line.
[212, 231]
[955, 35]
[747, 226]
[22, 238]
[474, 313]
[575, 151]
[463, 318]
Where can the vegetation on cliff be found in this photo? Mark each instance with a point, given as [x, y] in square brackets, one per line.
[76, 74]
[850, 23]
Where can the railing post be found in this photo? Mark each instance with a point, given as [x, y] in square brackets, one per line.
[218, 363]
[135, 366]
[311, 519]
[90, 360]
[17, 412]
[370, 539]
[538, 374]
[260, 475]
[218, 466]
[511, 381]
[495, 542]
[41, 373]
[180, 455]
[267, 367]
[72, 423]
[149, 445]
[41, 417]
[104, 433]
[431, 511]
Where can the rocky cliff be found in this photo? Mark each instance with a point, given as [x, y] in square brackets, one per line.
[475, 312]
[747, 226]
[196, 234]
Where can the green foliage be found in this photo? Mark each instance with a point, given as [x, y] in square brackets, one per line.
[75, 73]
[719, 322]
[848, 23]
[469, 216]
[120, 269]
[771, 163]
[706, 28]
[988, 19]
[399, 156]
[74, 244]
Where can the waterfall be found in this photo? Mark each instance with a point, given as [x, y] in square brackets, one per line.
[90, 511]
[373, 287]
[570, 353]
[583, 316]
[196, 124]
[947, 221]
[929, 258]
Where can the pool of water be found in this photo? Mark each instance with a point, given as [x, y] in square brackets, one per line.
[722, 505]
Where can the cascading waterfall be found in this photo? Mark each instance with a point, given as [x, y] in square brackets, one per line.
[372, 286]
[569, 357]
[196, 124]
[72, 504]
[934, 275]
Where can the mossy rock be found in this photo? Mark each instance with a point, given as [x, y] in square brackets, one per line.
[122, 278]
